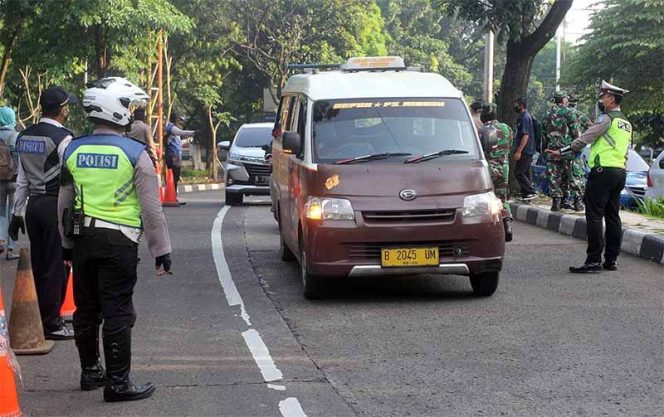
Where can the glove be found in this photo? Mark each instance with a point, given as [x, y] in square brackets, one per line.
[165, 262]
[15, 225]
[67, 254]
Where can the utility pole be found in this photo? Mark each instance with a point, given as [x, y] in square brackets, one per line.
[160, 98]
[488, 66]
[559, 43]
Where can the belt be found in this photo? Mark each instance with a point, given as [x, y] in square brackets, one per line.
[132, 233]
[100, 223]
[600, 169]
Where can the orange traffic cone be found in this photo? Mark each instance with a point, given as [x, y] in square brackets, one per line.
[25, 326]
[8, 395]
[170, 198]
[68, 306]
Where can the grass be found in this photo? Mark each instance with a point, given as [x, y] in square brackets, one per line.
[652, 207]
[194, 173]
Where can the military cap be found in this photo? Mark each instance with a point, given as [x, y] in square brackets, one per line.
[559, 94]
[572, 99]
[611, 89]
[489, 112]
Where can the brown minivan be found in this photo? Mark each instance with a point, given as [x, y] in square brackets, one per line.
[378, 170]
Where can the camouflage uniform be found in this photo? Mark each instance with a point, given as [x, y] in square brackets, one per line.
[499, 161]
[560, 129]
[581, 123]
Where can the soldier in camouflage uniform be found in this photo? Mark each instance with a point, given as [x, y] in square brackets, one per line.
[498, 159]
[581, 123]
[559, 131]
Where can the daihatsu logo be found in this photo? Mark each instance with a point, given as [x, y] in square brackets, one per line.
[407, 195]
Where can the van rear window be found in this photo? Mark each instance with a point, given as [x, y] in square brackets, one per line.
[407, 127]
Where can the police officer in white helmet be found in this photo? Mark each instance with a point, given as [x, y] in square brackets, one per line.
[108, 198]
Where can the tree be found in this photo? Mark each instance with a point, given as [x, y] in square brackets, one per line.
[625, 46]
[526, 26]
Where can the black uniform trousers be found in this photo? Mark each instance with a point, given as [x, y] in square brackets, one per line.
[602, 199]
[105, 262]
[522, 175]
[41, 220]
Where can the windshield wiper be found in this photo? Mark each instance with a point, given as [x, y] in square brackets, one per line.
[372, 157]
[433, 155]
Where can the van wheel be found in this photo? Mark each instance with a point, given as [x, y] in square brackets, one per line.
[284, 251]
[484, 284]
[312, 285]
[233, 199]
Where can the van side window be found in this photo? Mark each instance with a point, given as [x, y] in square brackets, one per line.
[283, 121]
[302, 116]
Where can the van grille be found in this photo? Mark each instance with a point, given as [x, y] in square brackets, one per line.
[371, 251]
[257, 169]
[411, 216]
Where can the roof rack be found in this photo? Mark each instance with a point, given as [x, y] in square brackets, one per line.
[357, 64]
[312, 68]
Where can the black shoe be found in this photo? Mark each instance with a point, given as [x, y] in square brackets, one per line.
[566, 204]
[592, 268]
[93, 375]
[63, 333]
[507, 224]
[610, 265]
[555, 205]
[529, 196]
[578, 204]
[117, 350]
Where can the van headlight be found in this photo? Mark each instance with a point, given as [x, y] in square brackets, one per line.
[479, 208]
[317, 208]
[234, 157]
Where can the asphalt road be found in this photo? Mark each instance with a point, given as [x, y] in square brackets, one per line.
[548, 343]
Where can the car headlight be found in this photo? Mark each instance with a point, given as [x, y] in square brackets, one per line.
[317, 208]
[234, 157]
[478, 208]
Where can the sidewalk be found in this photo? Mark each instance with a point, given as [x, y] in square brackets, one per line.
[642, 236]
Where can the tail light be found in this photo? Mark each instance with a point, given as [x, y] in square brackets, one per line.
[649, 178]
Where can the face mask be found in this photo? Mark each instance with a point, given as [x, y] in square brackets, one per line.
[600, 106]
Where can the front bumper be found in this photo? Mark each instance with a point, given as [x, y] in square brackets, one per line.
[248, 189]
[247, 178]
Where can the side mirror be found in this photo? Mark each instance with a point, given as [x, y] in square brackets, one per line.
[226, 145]
[292, 142]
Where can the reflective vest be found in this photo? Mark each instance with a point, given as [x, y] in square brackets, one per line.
[102, 167]
[610, 149]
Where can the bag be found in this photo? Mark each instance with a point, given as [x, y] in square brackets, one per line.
[7, 166]
[537, 129]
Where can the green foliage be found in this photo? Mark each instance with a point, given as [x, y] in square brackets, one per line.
[652, 207]
[626, 47]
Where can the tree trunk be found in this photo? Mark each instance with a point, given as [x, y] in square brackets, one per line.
[7, 58]
[100, 49]
[514, 83]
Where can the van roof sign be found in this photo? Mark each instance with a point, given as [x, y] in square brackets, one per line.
[369, 63]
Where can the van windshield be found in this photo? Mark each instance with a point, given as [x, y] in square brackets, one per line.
[405, 127]
[253, 137]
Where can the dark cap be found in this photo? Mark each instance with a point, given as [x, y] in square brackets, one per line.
[476, 106]
[55, 97]
[572, 99]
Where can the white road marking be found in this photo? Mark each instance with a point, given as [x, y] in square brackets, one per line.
[227, 283]
[290, 407]
[262, 356]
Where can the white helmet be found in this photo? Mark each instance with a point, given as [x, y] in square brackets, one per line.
[109, 99]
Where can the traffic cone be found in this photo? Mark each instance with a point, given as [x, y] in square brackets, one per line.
[8, 395]
[170, 197]
[68, 306]
[25, 326]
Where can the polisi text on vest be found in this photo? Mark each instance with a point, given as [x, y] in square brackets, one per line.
[96, 160]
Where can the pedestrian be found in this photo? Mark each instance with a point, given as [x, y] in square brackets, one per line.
[174, 136]
[559, 130]
[476, 111]
[141, 131]
[109, 183]
[609, 140]
[8, 167]
[39, 149]
[498, 160]
[524, 145]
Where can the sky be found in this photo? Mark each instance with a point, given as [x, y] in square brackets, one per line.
[577, 19]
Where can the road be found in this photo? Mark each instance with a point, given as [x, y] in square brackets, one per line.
[242, 341]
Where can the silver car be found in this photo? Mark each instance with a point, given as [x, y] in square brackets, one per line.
[247, 170]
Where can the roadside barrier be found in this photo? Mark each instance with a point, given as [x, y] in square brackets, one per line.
[26, 333]
[68, 306]
[9, 406]
[170, 197]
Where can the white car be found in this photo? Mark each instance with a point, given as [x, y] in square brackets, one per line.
[656, 178]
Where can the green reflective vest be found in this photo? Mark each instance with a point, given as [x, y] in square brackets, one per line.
[610, 149]
[102, 167]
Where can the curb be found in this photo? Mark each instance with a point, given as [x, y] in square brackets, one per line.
[199, 187]
[635, 242]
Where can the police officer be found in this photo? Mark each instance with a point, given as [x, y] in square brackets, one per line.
[39, 148]
[609, 138]
[109, 196]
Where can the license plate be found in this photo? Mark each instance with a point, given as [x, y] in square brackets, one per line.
[400, 257]
[262, 179]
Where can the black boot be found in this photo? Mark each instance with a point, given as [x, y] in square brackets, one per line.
[566, 203]
[117, 350]
[507, 224]
[578, 204]
[555, 205]
[92, 373]
[587, 268]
